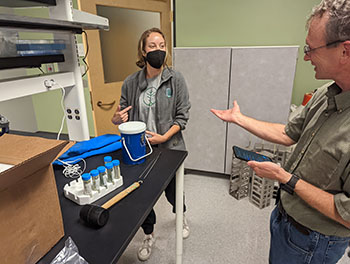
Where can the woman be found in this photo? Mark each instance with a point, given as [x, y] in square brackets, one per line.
[158, 96]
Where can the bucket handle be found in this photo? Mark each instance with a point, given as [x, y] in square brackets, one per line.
[126, 148]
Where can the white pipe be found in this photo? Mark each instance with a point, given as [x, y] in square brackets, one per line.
[179, 212]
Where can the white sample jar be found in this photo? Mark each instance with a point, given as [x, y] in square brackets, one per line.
[110, 172]
[116, 168]
[86, 177]
[103, 175]
[95, 180]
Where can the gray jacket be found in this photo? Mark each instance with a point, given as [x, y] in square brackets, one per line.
[172, 106]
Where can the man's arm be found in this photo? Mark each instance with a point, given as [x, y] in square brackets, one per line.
[315, 197]
[272, 132]
[320, 200]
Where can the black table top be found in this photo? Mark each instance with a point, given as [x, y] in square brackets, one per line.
[106, 244]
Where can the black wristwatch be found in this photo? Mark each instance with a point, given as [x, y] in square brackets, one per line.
[290, 185]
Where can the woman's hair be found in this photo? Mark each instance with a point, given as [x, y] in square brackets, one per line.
[142, 43]
[338, 24]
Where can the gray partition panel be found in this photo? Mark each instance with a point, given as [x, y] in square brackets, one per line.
[207, 72]
[262, 83]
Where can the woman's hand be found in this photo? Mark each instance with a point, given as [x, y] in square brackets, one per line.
[155, 138]
[121, 116]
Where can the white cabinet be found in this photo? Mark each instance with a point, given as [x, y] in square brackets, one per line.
[64, 23]
[259, 78]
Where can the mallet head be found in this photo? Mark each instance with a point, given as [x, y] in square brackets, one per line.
[94, 215]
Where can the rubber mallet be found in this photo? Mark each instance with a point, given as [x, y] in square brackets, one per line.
[97, 216]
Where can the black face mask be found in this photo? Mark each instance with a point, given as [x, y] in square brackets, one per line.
[156, 58]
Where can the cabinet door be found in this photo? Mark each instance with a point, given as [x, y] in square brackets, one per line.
[262, 83]
[206, 71]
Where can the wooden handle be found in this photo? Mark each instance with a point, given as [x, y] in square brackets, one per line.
[121, 195]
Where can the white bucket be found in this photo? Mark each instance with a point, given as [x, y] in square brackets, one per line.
[134, 142]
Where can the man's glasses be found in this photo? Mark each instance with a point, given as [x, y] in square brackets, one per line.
[307, 48]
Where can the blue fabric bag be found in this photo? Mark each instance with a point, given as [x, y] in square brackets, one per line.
[95, 146]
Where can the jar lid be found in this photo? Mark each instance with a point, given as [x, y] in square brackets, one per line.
[107, 159]
[132, 127]
[109, 165]
[86, 176]
[94, 173]
[101, 169]
[116, 162]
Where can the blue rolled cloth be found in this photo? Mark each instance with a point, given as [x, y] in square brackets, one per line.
[95, 146]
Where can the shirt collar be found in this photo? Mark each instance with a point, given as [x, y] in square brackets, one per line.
[166, 75]
[341, 99]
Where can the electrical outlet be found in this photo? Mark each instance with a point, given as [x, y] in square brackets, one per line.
[50, 68]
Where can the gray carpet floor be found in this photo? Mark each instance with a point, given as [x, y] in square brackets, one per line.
[223, 229]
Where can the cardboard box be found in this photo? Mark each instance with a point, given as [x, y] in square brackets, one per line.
[30, 214]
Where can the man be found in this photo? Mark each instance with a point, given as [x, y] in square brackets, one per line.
[311, 223]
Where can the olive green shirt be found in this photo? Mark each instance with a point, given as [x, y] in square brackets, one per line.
[322, 158]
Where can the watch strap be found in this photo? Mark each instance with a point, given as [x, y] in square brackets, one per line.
[290, 185]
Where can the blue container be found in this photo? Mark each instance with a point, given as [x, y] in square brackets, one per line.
[134, 142]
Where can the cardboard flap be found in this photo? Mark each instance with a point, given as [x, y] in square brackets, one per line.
[31, 153]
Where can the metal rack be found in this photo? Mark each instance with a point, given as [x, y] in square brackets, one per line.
[245, 183]
[239, 179]
[64, 23]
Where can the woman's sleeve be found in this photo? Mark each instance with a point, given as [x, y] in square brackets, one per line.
[123, 102]
[183, 104]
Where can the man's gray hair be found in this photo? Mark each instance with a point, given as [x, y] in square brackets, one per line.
[338, 25]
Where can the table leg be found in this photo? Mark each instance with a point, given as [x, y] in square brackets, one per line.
[179, 212]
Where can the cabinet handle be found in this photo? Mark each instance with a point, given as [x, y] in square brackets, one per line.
[100, 104]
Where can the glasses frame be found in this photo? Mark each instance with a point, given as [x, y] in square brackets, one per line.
[307, 48]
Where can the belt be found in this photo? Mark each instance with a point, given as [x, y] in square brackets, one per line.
[302, 229]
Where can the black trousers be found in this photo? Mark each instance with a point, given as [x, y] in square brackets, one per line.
[170, 194]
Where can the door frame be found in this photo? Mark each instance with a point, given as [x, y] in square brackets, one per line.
[94, 59]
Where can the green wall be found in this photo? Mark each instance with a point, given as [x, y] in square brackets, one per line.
[207, 23]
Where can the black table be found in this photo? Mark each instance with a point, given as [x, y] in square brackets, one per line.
[106, 245]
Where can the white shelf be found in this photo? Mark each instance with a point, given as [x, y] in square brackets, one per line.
[89, 21]
[82, 20]
[19, 87]
[63, 19]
